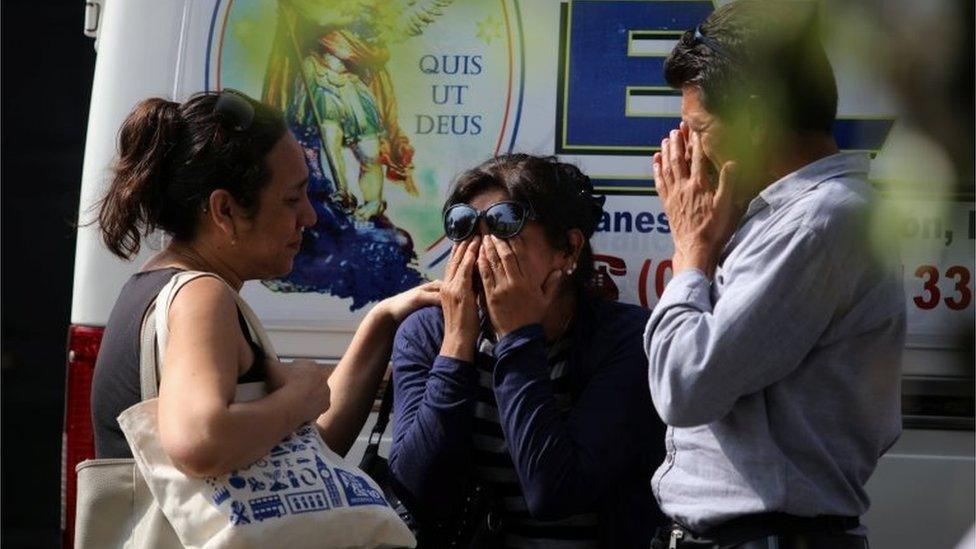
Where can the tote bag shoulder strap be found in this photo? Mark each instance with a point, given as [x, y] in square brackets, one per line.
[148, 357]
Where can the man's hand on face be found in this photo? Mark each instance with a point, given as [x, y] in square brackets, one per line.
[701, 214]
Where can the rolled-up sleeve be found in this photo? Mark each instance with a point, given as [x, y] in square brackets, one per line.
[705, 354]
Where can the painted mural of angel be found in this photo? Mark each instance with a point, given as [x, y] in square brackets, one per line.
[328, 70]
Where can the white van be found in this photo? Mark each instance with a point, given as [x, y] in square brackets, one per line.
[454, 82]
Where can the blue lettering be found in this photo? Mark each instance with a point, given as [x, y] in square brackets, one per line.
[425, 124]
[619, 218]
[663, 226]
[428, 64]
[628, 222]
[599, 69]
[644, 222]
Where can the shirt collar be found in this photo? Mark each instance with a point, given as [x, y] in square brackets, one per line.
[787, 188]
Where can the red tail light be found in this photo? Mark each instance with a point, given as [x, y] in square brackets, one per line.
[77, 439]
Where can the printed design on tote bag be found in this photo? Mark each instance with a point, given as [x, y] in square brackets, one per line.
[256, 485]
[287, 483]
[275, 478]
[329, 481]
[358, 491]
[267, 507]
[305, 502]
[221, 495]
[237, 481]
[294, 479]
[238, 514]
[272, 488]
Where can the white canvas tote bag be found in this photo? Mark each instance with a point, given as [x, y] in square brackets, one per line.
[299, 495]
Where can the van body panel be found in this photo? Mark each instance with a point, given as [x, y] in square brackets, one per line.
[136, 60]
[922, 491]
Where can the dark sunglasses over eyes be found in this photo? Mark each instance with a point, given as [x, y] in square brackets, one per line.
[503, 219]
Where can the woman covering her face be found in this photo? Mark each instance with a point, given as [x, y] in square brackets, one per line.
[523, 383]
[224, 178]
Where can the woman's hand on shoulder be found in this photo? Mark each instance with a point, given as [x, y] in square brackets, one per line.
[307, 380]
[399, 307]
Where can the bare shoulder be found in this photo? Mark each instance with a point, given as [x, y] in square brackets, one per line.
[203, 301]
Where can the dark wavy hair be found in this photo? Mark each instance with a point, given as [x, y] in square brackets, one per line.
[172, 156]
[763, 47]
[560, 195]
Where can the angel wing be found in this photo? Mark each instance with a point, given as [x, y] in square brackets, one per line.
[403, 19]
[330, 13]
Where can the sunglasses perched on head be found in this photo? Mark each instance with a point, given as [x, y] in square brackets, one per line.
[503, 219]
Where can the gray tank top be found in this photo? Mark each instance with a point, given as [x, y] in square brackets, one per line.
[115, 386]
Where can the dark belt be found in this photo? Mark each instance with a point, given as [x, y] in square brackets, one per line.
[768, 530]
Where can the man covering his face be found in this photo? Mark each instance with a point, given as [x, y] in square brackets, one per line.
[775, 350]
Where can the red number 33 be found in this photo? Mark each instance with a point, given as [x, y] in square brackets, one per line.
[931, 275]
[960, 275]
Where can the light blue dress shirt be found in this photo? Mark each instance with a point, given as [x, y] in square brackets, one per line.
[780, 378]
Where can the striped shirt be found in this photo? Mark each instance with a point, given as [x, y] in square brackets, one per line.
[493, 463]
[559, 449]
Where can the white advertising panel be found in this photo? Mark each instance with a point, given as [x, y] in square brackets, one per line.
[391, 99]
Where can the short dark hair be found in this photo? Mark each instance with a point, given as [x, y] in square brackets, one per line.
[560, 195]
[763, 48]
[172, 156]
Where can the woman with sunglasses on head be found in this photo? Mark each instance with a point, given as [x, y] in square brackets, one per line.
[223, 177]
[523, 384]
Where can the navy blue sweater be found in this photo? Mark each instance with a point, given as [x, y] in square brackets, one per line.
[598, 457]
